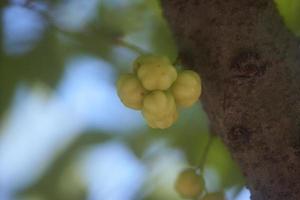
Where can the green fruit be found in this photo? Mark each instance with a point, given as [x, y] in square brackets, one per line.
[150, 59]
[161, 123]
[214, 196]
[155, 72]
[131, 91]
[189, 184]
[159, 109]
[187, 88]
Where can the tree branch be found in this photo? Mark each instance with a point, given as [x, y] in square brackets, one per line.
[249, 64]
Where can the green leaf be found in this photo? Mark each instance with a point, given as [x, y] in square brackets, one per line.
[220, 159]
[290, 11]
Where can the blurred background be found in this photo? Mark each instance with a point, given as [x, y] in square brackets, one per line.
[64, 134]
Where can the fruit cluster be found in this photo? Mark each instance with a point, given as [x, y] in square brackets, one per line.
[190, 185]
[157, 89]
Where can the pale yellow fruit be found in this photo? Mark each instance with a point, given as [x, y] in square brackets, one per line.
[150, 59]
[157, 77]
[161, 123]
[189, 184]
[187, 88]
[131, 91]
[159, 104]
[159, 109]
[156, 74]
[214, 196]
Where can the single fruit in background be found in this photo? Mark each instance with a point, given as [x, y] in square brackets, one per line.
[189, 184]
[214, 196]
[159, 109]
[131, 91]
[158, 75]
[187, 88]
[150, 59]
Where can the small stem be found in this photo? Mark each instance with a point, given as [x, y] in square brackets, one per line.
[177, 61]
[130, 46]
[205, 152]
[29, 4]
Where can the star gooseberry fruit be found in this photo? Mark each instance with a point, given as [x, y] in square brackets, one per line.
[214, 196]
[158, 90]
[131, 91]
[187, 88]
[155, 72]
[149, 59]
[159, 109]
[189, 184]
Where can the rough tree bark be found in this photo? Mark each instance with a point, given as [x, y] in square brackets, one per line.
[250, 69]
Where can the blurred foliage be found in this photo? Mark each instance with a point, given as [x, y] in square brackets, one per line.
[42, 64]
[138, 22]
[49, 186]
[290, 10]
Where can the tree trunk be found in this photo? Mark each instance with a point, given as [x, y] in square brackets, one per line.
[249, 64]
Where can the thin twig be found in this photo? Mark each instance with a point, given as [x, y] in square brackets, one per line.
[117, 41]
[130, 46]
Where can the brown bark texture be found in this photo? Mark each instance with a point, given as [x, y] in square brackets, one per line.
[250, 70]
